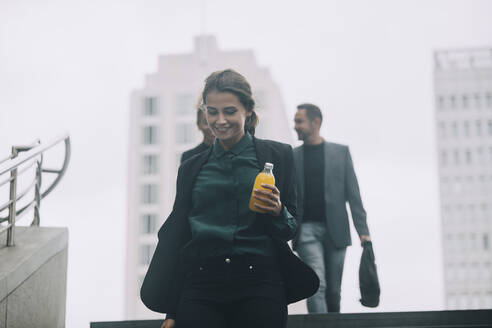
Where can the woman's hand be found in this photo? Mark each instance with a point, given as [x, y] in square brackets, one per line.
[270, 198]
[168, 323]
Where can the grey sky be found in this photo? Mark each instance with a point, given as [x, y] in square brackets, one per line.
[71, 65]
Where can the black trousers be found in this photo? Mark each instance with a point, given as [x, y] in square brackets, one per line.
[233, 292]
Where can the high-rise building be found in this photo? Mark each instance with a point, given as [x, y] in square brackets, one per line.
[463, 102]
[162, 126]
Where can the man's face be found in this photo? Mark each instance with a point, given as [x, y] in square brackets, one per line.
[303, 126]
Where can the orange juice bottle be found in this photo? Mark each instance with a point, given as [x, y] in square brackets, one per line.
[265, 176]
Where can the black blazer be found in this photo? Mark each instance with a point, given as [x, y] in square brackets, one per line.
[163, 282]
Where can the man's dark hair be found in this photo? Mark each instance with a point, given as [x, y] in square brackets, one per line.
[312, 111]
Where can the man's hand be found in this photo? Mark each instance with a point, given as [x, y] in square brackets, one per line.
[270, 198]
[363, 238]
[168, 323]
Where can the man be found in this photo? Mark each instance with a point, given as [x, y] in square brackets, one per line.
[208, 137]
[326, 181]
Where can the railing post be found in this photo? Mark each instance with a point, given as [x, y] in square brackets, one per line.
[13, 198]
[37, 194]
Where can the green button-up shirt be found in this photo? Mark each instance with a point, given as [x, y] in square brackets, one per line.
[220, 219]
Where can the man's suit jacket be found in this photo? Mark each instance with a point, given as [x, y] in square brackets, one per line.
[340, 187]
[164, 279]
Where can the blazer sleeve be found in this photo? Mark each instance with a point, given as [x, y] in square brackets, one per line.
[162, 284]
[284, 226]
[352, 195]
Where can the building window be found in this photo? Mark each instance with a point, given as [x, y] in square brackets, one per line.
[461, 272]
[150, 135]
[457, 186]
[466, 128]
[456, 155]
[452, 302]
[480, 156]
[476, 96]
[489, 127]
[146, 252]
[469, 184]
[148, 223]
[455, 129]
[440, 102]
[465, 101]
[487, 271]
[471, 211]
[473, 241]
[482, 185]
[149, 194]
[444, 185]
[150, 106]
[185, 104]
[184, 133]
[488, 96]
[444, 158]
[450, 272]
[485, 241]
[478, 125]
[452, 101]
[442, 129]
[150, 164]
[468, 156]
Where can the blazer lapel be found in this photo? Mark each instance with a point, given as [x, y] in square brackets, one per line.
[261, 153]
[195, 167]
[329, 168]
[299, 162]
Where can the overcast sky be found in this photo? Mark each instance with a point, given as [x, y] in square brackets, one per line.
[71, 65]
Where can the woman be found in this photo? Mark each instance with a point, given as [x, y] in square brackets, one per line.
[217, 263]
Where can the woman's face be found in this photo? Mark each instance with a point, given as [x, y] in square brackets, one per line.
[226, 116]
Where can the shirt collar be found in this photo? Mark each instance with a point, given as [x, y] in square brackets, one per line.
[245, 141]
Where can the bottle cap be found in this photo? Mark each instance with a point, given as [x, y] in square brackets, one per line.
[269, 166]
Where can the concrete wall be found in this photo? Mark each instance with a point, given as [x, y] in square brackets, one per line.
[33, 278]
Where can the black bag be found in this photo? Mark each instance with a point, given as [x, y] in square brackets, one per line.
[368, 277]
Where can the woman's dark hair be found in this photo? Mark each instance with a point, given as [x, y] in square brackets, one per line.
[199, 111]
[231, 81]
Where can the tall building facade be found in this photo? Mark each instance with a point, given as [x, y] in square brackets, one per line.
[463, 95]
[162, 126]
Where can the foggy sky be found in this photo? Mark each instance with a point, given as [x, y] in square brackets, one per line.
[71, 65]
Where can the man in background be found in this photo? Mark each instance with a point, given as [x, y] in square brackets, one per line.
[208, 137]
[326, 181]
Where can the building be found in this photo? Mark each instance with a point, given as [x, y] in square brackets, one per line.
[463, 95]
[162, 126]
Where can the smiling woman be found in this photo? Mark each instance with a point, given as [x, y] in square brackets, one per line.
[229, 105]
[219, 263]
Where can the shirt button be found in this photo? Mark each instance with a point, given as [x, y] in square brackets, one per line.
[227, 260]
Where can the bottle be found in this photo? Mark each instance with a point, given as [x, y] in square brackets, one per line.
[265, 176]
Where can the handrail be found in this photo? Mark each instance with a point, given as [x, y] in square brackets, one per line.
[35, 151]
[21, 155]
[18, 173]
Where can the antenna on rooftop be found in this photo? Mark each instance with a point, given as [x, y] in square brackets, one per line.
[202, 18]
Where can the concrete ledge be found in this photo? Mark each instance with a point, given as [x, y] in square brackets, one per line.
[33, 276]
[427, 319]
[34, 246]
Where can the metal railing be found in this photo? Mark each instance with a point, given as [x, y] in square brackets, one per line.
[32, 157]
